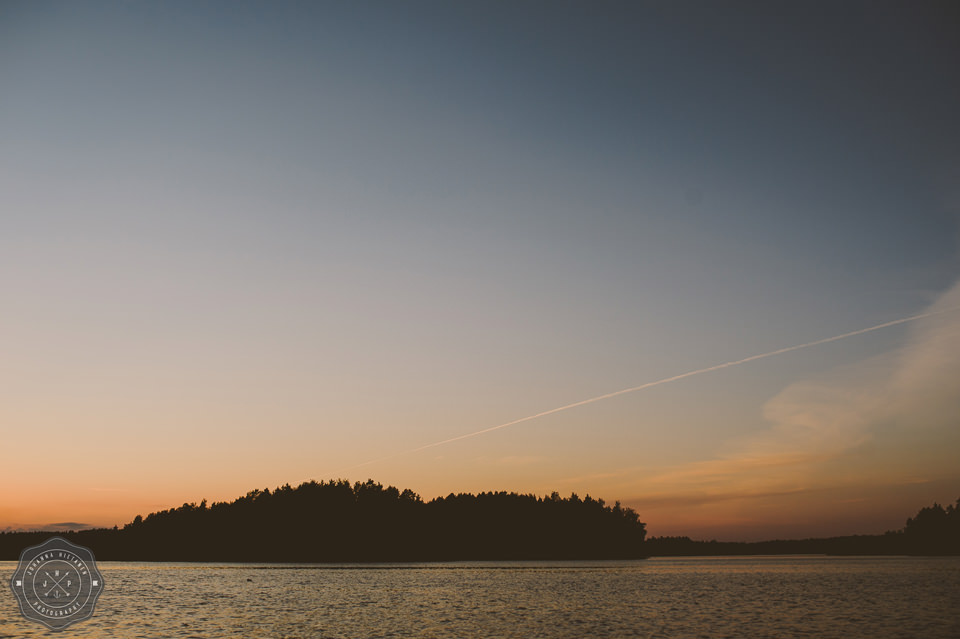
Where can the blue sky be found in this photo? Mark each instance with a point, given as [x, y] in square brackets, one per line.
[260, 242]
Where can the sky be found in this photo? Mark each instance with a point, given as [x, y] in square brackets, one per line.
[244, 244]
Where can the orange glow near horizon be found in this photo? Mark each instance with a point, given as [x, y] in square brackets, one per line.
[818, 466]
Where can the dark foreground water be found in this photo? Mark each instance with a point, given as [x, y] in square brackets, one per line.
[664, 597]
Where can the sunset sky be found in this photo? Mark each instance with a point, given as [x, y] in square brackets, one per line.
[246, 244]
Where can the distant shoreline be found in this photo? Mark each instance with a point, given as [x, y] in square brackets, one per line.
[337, 522]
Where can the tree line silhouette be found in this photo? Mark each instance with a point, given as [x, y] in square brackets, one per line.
[338, 522]
[934, 530]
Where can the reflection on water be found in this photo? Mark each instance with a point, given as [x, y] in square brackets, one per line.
[663, 597]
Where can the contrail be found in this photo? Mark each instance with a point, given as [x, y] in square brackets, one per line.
[665, 380]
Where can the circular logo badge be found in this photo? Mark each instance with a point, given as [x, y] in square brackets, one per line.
[57, 583]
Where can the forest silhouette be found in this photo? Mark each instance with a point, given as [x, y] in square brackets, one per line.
[337, 521]
[366, 522]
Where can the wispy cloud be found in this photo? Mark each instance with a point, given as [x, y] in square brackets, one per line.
[659, 382]
[819, 422]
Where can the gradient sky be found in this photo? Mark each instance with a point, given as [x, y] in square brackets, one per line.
[245, 244]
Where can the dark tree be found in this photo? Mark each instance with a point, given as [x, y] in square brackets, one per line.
[336, 521]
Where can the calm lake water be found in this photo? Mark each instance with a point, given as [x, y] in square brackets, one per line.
[662, 597]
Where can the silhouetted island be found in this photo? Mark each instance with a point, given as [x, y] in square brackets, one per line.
[366, 522]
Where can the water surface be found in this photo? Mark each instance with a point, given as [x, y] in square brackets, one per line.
[662, 597]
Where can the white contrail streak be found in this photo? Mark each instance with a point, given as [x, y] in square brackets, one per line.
[665, 380]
